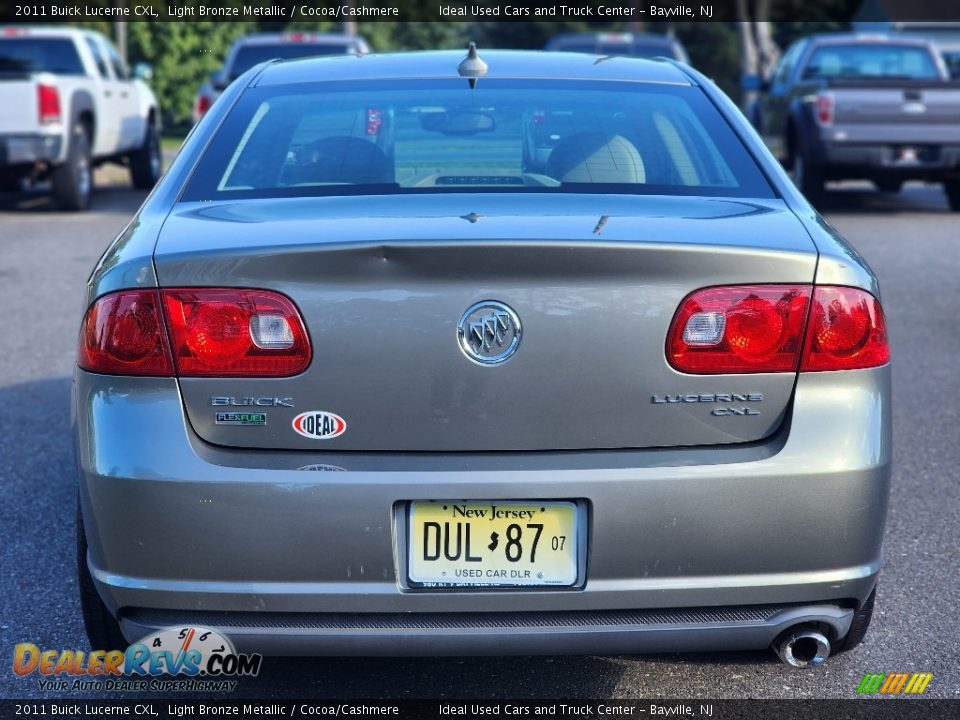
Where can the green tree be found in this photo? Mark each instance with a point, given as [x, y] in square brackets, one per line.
[183, 56]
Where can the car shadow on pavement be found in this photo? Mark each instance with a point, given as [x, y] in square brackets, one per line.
[37, 539]
[480, 678]
[435, 678]
[117, 200]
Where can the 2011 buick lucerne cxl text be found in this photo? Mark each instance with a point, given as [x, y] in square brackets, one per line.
[505, 353]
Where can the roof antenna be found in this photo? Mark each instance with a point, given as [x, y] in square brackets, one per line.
[472, 67]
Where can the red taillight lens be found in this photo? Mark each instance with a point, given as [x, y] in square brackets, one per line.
[761, 328]
[739, 329]
[847, 331]
[123, 334]
[48, 104]
[201, 105]
[227, 332]
[825, 108]
[211, 331]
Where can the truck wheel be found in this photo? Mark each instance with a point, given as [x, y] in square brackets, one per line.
[888, 185]
[146, 162]
[9, 183]
[952, 189]
[102, 628]
[858, 628]
[73, 179]
[808, 177]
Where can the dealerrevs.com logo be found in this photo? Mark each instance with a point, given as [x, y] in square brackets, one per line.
[181, 658]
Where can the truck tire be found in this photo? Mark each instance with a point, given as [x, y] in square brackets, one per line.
[73, 179]
[808, 177]
[952, 189]
[146, 162]
[9, 183]
[103, 630]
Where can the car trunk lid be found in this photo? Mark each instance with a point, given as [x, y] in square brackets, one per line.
[594, 281]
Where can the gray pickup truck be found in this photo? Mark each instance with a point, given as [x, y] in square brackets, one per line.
[875, 107]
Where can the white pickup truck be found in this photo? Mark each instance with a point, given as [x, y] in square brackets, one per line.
[69, 103]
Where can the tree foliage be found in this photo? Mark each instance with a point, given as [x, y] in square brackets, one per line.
[183, 56]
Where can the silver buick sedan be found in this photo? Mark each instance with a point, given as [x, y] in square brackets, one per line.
[504, 353]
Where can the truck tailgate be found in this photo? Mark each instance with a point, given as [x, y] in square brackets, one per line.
[18, 106]
[927, 114]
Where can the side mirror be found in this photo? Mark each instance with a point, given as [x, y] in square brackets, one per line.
[143, 71]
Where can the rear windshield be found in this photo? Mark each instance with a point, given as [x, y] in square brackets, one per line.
[871, 61]
[30, 55]
[437, 136]
[249, 55]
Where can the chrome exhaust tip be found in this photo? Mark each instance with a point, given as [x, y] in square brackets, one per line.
[803, 647]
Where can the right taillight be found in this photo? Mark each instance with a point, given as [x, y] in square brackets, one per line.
[48, 104]
[847, 331]
[777, 328]
[194, 332]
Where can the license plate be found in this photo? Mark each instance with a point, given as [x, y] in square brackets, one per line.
[497, 543]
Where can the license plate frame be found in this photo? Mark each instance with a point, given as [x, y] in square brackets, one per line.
[575, 551]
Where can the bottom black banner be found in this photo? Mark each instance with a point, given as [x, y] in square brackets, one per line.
[888, 709]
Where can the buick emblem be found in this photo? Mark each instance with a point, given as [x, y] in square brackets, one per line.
[489, 332]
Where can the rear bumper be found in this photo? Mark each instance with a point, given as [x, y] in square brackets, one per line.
[531, 633]
[28, 149]
[180, 527]
[934, 162]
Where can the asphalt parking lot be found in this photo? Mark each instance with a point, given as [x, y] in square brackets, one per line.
[911, 240]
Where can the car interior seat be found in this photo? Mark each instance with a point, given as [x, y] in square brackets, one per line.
[343, 159]
[595, 157]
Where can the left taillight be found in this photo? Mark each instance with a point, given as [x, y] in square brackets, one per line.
[123, 334]
[48, 104]
[195, 332]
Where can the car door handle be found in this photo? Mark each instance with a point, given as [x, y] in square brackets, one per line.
[124, 95]
[107, 93]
